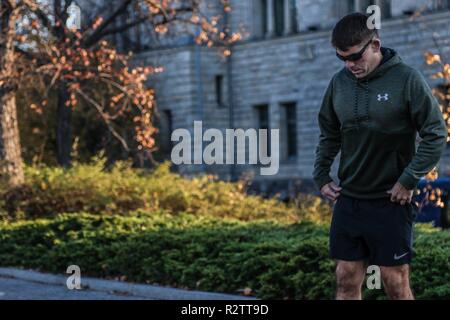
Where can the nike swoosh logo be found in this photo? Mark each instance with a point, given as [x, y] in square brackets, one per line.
[399, 257]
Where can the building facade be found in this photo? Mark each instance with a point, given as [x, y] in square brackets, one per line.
[277, 75]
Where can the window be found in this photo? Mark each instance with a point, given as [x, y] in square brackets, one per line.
[263, 116]
[166, 127]
[219, 90]
[385, 6]
[344, 7]
[279, 17]
[441, 4]
[273, 18]
[289, 130]
[263, 123]
[350, 5]
[293, 11]
[260, 14]
[263, 16]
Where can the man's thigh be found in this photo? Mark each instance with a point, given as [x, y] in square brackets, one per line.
[395, 274]
[356, 268]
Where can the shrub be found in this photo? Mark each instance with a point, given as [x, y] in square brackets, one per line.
[121, 189]
[274, 260]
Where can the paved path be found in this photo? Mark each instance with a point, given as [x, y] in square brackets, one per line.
[17, 289]
[20, 284]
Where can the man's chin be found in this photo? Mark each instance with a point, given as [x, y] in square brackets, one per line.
[359, 75]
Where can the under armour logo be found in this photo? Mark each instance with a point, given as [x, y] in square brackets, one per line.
[384, 97]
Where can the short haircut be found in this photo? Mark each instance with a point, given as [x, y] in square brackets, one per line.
[352, 30]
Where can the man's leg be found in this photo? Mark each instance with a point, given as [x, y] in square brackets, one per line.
[349, 279]
[396, 282]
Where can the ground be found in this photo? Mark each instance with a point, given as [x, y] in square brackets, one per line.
[17, 284]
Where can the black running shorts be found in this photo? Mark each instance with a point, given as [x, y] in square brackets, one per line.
[376, 230]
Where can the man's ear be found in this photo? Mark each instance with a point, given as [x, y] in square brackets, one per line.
[376, 45]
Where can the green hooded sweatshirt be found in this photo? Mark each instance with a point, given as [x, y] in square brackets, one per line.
[373, 121]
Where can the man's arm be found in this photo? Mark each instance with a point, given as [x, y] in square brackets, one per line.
[329, 139]
[428, 120]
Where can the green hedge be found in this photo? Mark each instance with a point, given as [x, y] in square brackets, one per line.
[49, 191]
[157, 227]
[274, 260]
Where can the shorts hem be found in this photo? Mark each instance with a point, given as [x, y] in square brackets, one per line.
[350, 259]
[390, 263]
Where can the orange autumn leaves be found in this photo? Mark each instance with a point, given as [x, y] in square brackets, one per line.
[84, 70]
[442, 91]
[87, 72]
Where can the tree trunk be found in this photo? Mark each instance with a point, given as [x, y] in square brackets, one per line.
[63, 128]
[11, 164]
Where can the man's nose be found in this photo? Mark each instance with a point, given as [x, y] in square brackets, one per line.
[349, 64]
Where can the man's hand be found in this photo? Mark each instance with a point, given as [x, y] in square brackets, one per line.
[400, 194]
[331, 191]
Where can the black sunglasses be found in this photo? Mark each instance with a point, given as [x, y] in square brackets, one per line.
[355, 56]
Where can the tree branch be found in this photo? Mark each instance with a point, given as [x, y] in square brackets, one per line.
[124, 27]
[105, 118]
[44, 19]
[98, 33]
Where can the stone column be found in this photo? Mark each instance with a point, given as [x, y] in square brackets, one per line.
[270, 19]
[287, 17]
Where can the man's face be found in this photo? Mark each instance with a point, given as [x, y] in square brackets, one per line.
[369, 59]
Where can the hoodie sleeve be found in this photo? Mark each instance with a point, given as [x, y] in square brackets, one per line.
[428, 120]
[329, 139]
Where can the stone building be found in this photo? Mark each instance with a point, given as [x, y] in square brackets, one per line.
[277, 75]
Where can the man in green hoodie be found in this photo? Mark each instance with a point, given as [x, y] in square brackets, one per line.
[371, 112]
